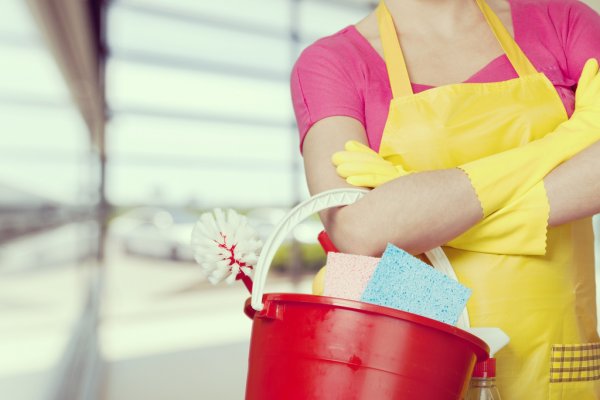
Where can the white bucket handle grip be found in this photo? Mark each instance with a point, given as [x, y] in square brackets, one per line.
[320, 202]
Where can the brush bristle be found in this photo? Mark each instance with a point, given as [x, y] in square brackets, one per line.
[225, 245]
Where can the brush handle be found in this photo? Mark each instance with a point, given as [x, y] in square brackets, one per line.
[326, 243]
[320, 202]
[246, 280]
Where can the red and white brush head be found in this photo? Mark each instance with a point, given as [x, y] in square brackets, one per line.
[225, 245]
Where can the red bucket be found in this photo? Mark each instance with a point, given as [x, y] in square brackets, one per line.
[306, 347]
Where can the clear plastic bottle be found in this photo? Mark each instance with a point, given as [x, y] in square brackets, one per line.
[483, 382]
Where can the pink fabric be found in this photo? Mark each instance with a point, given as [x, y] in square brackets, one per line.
[343, 75]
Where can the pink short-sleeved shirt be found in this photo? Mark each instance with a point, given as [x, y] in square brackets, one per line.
[342, 75]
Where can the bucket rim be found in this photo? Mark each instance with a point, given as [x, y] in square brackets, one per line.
[482, 351]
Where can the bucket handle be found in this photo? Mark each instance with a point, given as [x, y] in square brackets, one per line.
[320, 202]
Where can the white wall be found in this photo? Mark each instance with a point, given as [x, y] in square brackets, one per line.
[593, 3]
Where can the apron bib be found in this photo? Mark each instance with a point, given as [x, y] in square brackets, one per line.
[546, 304]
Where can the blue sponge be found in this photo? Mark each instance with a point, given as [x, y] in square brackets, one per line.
[404, 282]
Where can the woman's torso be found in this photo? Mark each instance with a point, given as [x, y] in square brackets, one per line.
[541, 302]
[344, 74]
[367, 71]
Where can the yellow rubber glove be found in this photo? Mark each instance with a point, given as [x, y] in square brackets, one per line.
[519, 228]
[504, 177]
[361, 166]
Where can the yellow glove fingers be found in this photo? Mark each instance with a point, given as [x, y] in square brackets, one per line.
[356, 146]
[342, 157]
[363, 167]
[370, 181]
[590, 71]
[348, 169]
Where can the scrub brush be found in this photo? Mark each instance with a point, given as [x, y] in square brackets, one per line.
[226, 247]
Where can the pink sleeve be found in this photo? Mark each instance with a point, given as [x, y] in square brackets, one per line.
[580, 33]
[322, 85]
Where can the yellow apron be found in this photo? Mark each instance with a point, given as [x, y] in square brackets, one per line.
[545, 303]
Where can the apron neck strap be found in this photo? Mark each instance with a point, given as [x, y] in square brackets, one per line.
[517, 58]
[396, 65]
[392, 53]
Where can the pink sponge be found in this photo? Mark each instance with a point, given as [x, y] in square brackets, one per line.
[347, 275]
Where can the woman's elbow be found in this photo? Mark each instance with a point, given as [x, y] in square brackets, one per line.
[352, 234]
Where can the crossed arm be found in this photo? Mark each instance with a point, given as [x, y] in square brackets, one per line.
[424, 210]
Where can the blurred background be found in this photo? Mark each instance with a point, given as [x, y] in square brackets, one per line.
[123, 121]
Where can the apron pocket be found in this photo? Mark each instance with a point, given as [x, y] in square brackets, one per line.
[575, 372]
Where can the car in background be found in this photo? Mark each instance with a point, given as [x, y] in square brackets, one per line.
[157, 232]
[264, 220]
[165, 233]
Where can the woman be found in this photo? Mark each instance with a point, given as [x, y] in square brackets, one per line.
[526, 250]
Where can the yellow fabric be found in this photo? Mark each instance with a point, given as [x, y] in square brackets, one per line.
[318, 284]
[540, 300]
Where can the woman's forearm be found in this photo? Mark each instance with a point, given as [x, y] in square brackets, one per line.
[417, 213]
[573, 187]
[422, 211]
